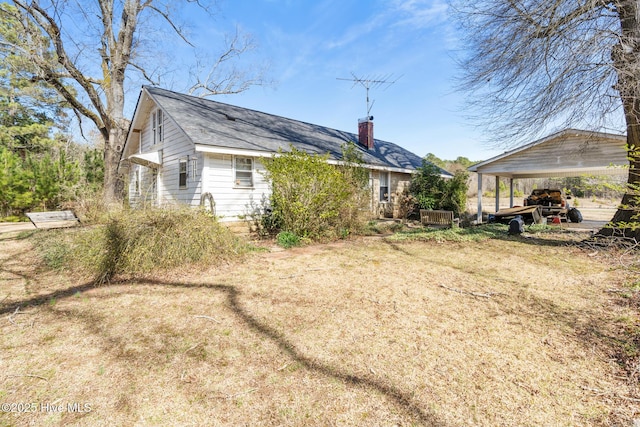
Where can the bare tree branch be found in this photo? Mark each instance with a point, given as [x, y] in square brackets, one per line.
[169, 21]
[48, 24]
[219, 80]
[143, 71]
[533, 66]
[84, 50]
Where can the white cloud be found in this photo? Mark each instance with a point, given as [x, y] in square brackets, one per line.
[407, 14]
[420, 13]
[358, 31]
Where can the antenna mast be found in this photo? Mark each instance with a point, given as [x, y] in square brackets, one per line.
[370, 83]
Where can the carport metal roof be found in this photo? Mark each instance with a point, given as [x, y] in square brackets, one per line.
[571, 152]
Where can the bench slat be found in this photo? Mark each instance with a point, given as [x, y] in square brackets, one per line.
[437, 217]
[52, 216]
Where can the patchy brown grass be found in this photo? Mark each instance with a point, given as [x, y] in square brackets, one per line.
[367, 332]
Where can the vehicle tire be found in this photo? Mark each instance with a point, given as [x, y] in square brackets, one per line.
[574, 215]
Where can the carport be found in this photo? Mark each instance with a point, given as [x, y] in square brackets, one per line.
[568, 153]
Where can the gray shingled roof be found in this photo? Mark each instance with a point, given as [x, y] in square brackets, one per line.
[213, 123]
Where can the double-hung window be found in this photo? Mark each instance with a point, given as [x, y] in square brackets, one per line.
[384, 186]
[182, 173]
[157, 126]
[243, 172]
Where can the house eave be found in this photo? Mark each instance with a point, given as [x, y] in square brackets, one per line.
[264, 154]
[558, 135]
[232, 151]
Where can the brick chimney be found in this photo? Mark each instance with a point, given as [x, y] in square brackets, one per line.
[365, 132]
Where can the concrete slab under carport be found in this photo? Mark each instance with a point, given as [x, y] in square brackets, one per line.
[569, 153]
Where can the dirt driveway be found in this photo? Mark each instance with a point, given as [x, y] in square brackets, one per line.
[8, 227]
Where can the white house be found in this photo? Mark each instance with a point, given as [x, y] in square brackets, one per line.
[185, 149]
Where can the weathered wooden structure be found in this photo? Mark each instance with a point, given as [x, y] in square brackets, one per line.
[53, 219]
[444, 218]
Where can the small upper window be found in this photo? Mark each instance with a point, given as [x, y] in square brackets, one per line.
[157, 126]
[182, 174]
[244, 172]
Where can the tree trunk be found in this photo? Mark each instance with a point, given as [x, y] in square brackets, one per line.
[113, 181]
[626, 221]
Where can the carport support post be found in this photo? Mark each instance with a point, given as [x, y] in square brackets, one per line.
[479, 218]
[497, 193]
[510, 192]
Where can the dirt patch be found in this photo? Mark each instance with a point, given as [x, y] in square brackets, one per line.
[364, 332]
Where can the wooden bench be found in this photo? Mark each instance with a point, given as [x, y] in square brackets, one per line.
[438, 217]
[53, 219]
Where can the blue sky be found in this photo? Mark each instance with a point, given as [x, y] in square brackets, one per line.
[309, 44]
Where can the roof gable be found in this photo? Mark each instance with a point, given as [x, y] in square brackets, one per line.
[570, 152]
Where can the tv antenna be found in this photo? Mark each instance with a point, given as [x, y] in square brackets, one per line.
[370, 82]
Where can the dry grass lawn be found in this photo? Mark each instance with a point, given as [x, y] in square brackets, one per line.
[516, 332]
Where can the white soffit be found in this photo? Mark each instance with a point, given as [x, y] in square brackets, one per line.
[152, 159]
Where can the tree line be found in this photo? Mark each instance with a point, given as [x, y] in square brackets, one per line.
[41, 167]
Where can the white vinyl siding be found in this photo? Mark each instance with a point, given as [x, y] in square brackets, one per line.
[143, 184]
[174, 146]
[219, 177]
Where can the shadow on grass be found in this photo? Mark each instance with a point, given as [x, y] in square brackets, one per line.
[401, 398]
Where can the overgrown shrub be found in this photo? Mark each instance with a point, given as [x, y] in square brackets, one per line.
[427, 186]
[146, 240]
[313, 199]
[260, 218]
[432, 191]
[455, 194]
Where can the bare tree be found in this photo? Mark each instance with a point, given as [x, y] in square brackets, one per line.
[88, 50]
[211, 77]
[536, 64]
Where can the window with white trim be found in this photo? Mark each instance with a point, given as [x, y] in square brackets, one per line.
[384, 186]
[182, 174]
[243, 172]
[157, 126]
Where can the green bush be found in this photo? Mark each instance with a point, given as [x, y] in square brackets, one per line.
[432, 191]
[313, 199]
[455, 194]
[287, 239]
